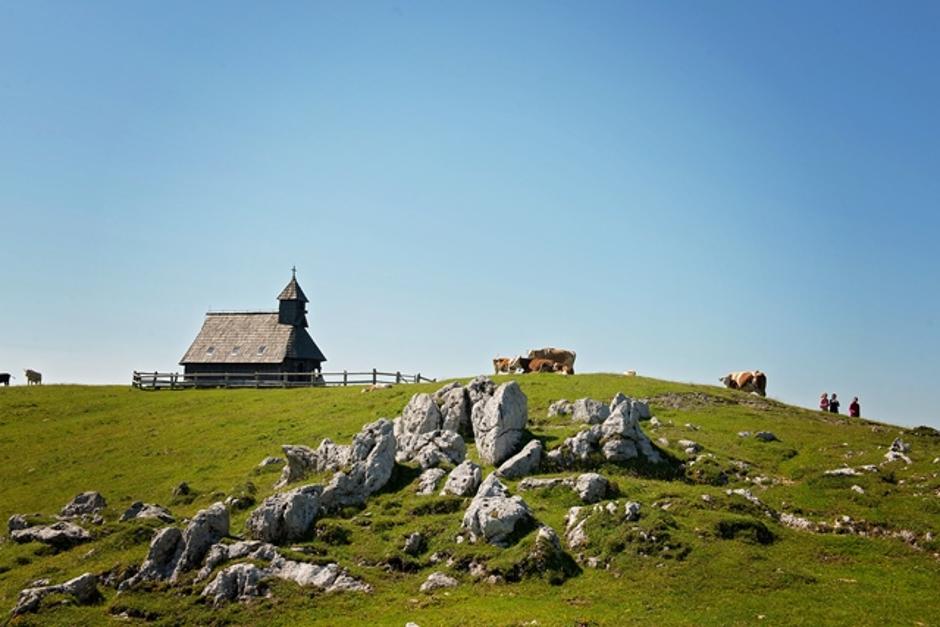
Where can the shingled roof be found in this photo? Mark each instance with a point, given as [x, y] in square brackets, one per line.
[292, 291]
[250, 338]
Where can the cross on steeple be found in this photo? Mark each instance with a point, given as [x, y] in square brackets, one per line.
[293, 272]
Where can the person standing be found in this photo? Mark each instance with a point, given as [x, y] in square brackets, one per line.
[855, 410]
[833, 404]
[824, 402]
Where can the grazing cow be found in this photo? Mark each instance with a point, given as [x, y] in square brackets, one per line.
[502, 365]
[541, 365]
[33, 377]
[558, 355]
[746, 381]
[630, 373]
[5, 378]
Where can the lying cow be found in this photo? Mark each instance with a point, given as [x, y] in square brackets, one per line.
[543, 365]
[33, 377]
[5, 378]
[746, 381]
[558, 355]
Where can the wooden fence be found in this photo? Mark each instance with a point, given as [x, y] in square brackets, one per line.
[180, 381]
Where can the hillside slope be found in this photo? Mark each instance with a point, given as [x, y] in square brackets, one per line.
[697, 555]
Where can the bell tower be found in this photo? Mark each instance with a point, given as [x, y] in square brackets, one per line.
[292, 307]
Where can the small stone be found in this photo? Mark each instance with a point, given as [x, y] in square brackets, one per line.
[414, 544]
[182, 489]
[270, 460]
[438, 580]
[765, 436]
[859, 489]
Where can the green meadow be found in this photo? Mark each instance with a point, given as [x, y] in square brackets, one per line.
[713, 560]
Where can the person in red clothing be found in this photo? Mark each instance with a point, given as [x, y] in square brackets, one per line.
[824, 402]
[855, 410]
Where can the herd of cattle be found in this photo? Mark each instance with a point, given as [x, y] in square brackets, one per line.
[539, 360]
[32, 377]
[562, 361]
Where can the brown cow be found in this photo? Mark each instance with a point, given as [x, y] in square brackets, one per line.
[746, 381]
[558, 355]
[33, 377]
[502, 365]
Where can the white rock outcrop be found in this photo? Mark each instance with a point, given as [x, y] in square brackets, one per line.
[464, 480]
[286, 517]
[525, 462]
[498, 423]
[493, 515]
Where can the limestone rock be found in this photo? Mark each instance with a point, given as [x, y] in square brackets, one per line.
[591, 487]
[83, 588]
[590, 411]
[237, 582]
[480, 389]
[302, 460]
[427, 482]
[220, 553]
[497, 427]
[162, 557]
[455, 412]
[206, 528]
[328, 577]
[86, 503]
[372, 458]
[139, 509]
[464, 480]
[437, 580]
[17, 522]
[898, 451]
[439, 448]
[61, 535]
[560, 407]
[537, 483]
[631, 511]
[525, 462]
[286, 517]
[270, 460]
[414, 544]
[690, 447]
[493, 515]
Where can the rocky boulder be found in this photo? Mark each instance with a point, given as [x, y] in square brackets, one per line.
[464, 480]
[372, 458]
[591, 487]
[286, 517]
[84, 589]
[455, 409]
[525, 462]
[303, 460]
[86, 503]
[219, 554]
[237, 582]
[61, 535]
[590, 411]
[560, 407]
[498, 423]
[480, 389]
[428, 481]
[494, 516]
[139, 509]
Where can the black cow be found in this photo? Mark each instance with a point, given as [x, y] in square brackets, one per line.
[5, 378]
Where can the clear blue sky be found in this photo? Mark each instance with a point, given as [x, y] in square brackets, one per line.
[681, 188]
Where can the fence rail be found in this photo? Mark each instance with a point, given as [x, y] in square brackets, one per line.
[180, 381]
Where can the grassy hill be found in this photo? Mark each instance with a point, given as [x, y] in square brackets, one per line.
[711, 561]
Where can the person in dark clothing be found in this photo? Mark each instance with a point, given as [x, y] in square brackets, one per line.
[833, 404]
[855, 410]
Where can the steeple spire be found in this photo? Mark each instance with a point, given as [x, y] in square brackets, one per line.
[292, 309]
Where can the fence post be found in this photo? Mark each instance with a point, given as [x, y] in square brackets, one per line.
[344, 378]
[283, 379]
[398, 376]
[173, 381]
[256, 379]
[155, 380]
[418, 378]
[375, 377]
